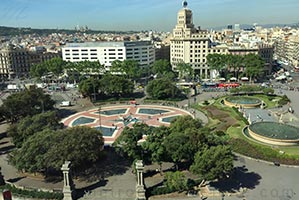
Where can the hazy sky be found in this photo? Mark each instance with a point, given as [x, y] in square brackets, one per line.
[143, 14]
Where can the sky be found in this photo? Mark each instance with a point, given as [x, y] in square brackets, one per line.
[160, 15]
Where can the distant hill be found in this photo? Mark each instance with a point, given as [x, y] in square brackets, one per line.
[11, 31]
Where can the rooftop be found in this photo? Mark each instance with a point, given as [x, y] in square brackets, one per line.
[108, 44]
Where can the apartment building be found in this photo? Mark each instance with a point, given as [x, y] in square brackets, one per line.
[16, 62]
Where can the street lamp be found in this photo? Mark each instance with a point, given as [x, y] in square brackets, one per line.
[100, 119]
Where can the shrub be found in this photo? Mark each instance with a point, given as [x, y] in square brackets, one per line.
[32, 193]
[283, 101]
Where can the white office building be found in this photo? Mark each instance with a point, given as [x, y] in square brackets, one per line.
[106, 52]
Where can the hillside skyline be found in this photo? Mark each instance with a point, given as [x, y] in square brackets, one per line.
[125, 15]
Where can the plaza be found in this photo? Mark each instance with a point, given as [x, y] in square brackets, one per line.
[111, 120]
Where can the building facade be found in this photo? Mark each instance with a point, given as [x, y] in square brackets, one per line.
[107, 52]
[192, 45]
[16, 62]
[189, 44]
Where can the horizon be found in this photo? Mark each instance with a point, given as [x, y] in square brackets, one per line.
[137, 15]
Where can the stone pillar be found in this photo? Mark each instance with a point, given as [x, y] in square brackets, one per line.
[68, 186]
[140, 191]
[249, 119]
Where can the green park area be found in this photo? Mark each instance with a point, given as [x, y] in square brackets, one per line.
[231, 121]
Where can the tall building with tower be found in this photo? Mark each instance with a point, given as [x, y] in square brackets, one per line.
[190, 44]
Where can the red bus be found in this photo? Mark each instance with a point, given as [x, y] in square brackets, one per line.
[228, 85]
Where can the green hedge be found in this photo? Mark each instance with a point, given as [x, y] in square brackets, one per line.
[260, 152]
[284, 100]
[32, 193]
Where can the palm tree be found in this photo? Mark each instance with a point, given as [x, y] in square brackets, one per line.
[216, 62]
[185, 70]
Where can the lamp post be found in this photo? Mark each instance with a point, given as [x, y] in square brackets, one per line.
[100, 118]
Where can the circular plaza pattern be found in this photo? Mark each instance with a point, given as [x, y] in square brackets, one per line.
[274, 133]
[111, 120]
[242, 101]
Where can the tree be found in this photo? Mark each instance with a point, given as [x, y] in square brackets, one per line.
[129, 68]
[185, 70]
[30, 125]
[161, 67]
[163, 89]
[214, 162]
[182, 123]
[216, 62]
[55, 65]
[179, 148]
[89, 87]
[46, 151]
[127, 142]
[253, 65]
[154, 145]
[26, 103]
[116, 86]
[38, 70]
[176, 181]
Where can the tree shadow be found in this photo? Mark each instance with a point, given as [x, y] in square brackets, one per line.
[6, 149]
[2, 143]
[3, 135]
[14, 180]
[149, 190]
[82, 191]
[110, 165]
[240, 178]
[53, 179]
[63, 113]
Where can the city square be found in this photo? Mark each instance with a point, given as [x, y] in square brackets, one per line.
[135, 101]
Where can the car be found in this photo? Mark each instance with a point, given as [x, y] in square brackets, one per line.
[276, 163]
[65, 104]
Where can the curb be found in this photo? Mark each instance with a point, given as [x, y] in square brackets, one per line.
[264, 161]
